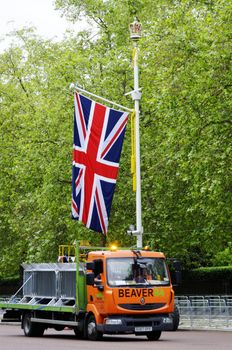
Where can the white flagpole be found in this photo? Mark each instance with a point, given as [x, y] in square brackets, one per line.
[136, 96]
[135, 29]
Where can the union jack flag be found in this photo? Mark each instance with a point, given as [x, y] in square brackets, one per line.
[98, 139]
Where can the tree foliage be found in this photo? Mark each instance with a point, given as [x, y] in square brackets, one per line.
[185, 75]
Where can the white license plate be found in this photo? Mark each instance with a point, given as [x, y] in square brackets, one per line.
[143, 329]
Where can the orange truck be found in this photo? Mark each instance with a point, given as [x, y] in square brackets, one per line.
[115, 292]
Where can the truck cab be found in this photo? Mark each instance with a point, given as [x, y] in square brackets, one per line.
[128, 292]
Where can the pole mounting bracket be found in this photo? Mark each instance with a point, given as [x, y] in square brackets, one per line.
[135, 94]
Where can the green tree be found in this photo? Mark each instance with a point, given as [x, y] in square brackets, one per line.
[185, 75]
[185, 63]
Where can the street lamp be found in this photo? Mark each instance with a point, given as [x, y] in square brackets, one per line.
[135, 35]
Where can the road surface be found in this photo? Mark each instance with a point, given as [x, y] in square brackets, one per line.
[12, 338]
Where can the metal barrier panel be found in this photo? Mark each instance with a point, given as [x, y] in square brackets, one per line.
[67, 284]
[56, 280]
[218, 312]
[200, 314]
[45, 284]
[28, 288]
[184, 307]
[229, 306]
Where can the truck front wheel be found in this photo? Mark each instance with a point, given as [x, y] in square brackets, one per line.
[92, 332]
[176, 318]
[78, 333]
[154, 335]
[31, 329]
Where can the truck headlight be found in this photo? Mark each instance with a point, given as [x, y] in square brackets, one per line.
[113, 321]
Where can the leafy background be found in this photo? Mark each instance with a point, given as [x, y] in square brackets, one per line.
[185, 75]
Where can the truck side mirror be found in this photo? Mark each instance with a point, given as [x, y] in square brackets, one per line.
[98, 266]
[90, 279]
[178, 274]
[177, 265]
[90, 265]
[178, 277]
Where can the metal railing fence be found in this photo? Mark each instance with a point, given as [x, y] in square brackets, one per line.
[210, 311]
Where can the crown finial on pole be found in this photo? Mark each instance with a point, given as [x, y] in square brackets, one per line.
[135, 30]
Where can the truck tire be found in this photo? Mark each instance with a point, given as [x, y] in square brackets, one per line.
[31, 329]
[92, 332]
[154, 335]
[78, 333]
[176, 318]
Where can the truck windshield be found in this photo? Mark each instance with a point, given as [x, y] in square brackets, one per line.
[133, 271]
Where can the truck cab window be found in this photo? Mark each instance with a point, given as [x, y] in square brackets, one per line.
[130, 271]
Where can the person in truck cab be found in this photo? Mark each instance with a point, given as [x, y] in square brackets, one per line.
[139, 276]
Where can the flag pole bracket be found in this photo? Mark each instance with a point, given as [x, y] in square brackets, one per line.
[135, 94]
[73, 86]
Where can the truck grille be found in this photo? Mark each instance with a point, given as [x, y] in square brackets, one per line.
[142, 307]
